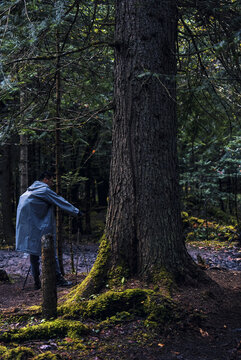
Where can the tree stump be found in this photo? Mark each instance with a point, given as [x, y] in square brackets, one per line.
[49, 302]
[4, 276]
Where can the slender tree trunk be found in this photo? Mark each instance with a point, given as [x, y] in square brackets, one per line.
[58, 156]
[221, 200]
[229, 190]
[49, 303]
[236, 198]
[23, 163]
[102, 190]
[23, 153]
[144, 221]
[6, 194]
[88, 198]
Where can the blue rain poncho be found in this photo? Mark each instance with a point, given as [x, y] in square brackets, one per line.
[35, 216]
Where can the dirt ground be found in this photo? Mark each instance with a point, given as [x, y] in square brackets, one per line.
[215, 335]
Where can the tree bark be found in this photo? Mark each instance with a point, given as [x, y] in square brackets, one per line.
[144, 220]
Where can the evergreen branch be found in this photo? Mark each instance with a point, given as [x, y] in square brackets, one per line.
[202, 65]
[53, 57]
[71, 26]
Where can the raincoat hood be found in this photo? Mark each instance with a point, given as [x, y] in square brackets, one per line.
[35, 216]
[37, 185]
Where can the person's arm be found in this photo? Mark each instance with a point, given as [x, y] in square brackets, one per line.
[59, 201]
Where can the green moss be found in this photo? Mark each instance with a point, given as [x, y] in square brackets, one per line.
[151, 324]
[18, 353]
[163, 279]
[95, 280]
[47, 356]
[3, 349]
[20, 318]
[46, 330]
[159, 309]
[117, 275]
[108, 304]
[72, 343]
[35, 308]
[120, 317]
[114, 305]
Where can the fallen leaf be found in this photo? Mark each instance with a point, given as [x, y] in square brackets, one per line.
[203, 333]
[67, 339]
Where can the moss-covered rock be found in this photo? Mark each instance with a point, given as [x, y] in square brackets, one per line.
[46, 330]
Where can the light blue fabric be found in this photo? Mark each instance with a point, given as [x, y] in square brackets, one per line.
[35, 216]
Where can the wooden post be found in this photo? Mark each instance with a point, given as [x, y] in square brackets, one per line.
[49, 301]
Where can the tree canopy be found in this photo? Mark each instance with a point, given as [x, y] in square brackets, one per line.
[57, 61]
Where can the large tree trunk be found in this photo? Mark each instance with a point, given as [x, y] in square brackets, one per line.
[143, 221]
[143, 229]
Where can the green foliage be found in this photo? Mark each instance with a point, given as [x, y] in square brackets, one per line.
[31, 35]
[208, 230]
[208, 83]
[80, 36]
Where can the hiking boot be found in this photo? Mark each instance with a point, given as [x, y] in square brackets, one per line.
[60, 281]
[37, 284]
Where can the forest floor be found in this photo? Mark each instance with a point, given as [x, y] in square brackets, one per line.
[210, 330]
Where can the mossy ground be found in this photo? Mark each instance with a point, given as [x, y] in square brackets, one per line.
[132, 321]
[142, 310]
[141, 323]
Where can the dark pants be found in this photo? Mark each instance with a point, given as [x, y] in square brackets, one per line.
[34, 262]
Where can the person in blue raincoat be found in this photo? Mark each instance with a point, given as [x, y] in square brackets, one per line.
[35, 218]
